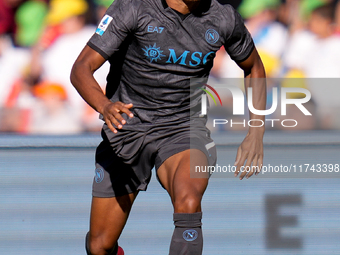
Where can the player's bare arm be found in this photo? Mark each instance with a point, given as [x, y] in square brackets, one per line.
[250, 152]
[82, 79]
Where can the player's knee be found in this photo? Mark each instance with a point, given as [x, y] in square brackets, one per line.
[100, 246]
[188, 203]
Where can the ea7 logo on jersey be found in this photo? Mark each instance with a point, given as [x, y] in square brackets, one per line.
[152, 29]
[104, 23]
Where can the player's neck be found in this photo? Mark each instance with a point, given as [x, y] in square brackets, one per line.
[183, 6]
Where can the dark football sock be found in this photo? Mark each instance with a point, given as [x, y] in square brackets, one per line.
[187, 238]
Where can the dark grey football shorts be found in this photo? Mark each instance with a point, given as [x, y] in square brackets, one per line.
[124, 161]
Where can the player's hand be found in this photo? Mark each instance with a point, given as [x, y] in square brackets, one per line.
[112, 114]
[251, 153]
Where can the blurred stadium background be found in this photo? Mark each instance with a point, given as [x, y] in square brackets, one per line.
[48, 136]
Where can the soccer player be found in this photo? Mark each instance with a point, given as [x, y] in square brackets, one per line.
[155, 47]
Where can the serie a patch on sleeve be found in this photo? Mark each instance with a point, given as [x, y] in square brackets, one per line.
[104, 23]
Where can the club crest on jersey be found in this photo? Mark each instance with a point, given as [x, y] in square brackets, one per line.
[211, 36]
[104, 23]
[153, 53]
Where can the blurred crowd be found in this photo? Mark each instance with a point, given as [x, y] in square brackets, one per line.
[40, 40]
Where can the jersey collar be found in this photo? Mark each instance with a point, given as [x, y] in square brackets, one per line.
[202, 8]
[165, 5]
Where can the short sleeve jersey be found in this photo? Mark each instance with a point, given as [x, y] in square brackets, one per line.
[154, 53]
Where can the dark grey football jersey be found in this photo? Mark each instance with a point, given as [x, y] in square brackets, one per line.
[154, 53]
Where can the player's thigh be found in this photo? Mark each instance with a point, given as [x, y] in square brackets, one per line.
[177, 174]
[109, 216]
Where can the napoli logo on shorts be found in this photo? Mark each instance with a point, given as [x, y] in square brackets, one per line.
[190, 235]
[99, 175]
[211, 36]
[153, 53]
